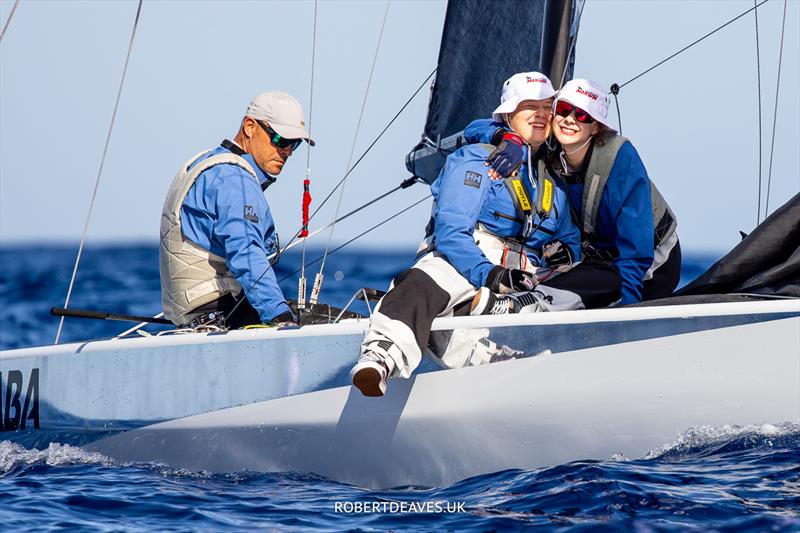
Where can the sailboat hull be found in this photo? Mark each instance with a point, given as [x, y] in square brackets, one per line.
[440, 427]
[616, 381]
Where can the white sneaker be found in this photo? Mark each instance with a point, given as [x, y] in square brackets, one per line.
[488, 303]
[370, 374]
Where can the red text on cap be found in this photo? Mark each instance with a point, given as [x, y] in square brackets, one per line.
[581, 90]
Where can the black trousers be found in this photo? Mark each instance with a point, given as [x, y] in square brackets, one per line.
[244, 315]
[596, 281]
[599, 284]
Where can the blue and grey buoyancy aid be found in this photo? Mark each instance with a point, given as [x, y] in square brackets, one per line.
[603, 155]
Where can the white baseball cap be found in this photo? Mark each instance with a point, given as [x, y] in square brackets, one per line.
[282, 112]
[520, 87]
[587, 95]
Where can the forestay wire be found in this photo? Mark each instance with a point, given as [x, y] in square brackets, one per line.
[8, 20]
[775, 115]
[704, 37]
[320, 275]
[100, 170]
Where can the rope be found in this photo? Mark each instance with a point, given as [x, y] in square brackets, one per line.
[572, 42]
[301, 283]
[315, 291]
[775, 114]
[615, 92]
[760, 150]
[694, 43]
[8, 20]
[100, 170]
[359, 235]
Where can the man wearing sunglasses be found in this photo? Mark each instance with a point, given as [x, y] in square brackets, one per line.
[218, 238]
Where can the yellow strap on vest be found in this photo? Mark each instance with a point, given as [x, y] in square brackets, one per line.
[520, 194]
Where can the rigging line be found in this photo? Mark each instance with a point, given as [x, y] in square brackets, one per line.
[359, 236]
[341, 218]
[100, 170]
[355, 140]
[694, 43]
[308, 147]
[394, 118]
[573, 41]
[615, 92]
[760, 150]
[8, 20]
[775, 115]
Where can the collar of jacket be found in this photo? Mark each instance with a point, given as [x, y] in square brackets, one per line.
[263, 178]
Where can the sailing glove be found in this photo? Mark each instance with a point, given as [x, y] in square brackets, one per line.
[507, 157]
[507, 280]
[557, 255]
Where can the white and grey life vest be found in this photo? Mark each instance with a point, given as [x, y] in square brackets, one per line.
[604, 154]
[190, 275]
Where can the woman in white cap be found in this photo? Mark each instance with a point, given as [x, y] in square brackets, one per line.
[622, 216]
[625, 223]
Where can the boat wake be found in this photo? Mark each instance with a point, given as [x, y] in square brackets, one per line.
[14, 457]
[707, 441]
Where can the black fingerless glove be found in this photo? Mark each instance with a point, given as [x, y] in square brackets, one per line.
[506, 280]
[557, 255]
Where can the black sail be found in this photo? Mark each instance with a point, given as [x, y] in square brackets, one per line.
[766, 262]
[483, 44]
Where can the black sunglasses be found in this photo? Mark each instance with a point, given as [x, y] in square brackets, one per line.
[278, 141]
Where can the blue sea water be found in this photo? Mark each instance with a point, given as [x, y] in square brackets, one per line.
[727, 478]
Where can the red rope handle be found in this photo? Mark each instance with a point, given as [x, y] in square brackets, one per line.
[306, 204]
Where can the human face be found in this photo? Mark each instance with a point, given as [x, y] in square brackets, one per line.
[531, 120]
[269, 157]
[569, 131]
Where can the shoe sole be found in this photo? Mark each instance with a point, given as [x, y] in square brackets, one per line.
[368, 381]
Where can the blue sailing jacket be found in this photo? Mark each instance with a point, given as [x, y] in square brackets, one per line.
[225, 212]
[624, 224]
[465, 195]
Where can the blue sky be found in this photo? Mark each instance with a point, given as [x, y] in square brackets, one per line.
[195, 66]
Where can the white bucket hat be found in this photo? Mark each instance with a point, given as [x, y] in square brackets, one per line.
[520, 87]
[282, 112]
[587, 95]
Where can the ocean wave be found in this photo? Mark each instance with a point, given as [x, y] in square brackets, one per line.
[14, 457]
[702, 441]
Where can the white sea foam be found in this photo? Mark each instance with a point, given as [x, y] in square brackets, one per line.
[13, 455]
[699, 436]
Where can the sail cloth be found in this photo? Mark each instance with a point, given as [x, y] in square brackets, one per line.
[766, 262]
[483, 44]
